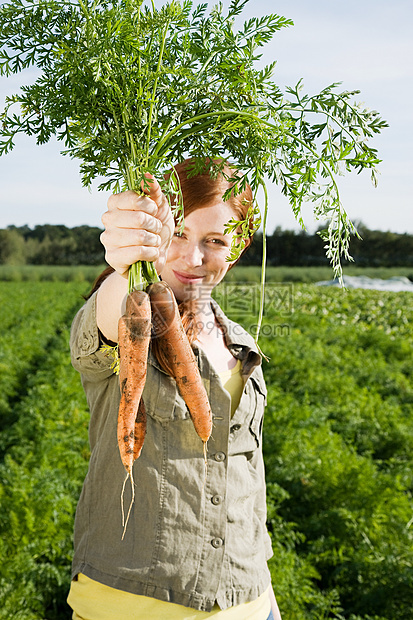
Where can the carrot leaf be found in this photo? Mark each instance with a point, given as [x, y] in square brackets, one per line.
[129, 88]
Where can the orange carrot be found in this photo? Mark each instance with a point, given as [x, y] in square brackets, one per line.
[140, 430]
[134, 330]
[182, 364]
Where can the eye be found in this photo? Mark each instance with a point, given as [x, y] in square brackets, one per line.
[178, 234]
[217, 241]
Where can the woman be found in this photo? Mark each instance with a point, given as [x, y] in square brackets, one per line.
[196, 545]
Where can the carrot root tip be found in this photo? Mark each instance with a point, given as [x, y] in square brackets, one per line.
[129, 476]
[205, 450]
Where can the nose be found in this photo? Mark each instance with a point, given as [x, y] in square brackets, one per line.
[193, 255]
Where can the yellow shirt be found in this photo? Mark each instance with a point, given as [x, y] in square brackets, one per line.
[92, 600]
[233, 383]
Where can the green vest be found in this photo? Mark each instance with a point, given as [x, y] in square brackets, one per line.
[196, 535]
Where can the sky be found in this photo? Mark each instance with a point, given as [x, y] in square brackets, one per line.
[365, 44]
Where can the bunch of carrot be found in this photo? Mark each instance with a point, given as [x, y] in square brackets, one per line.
[154, 314]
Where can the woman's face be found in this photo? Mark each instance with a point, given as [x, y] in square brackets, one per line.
[196, 260]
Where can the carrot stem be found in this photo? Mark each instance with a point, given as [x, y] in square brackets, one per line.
[141, 275]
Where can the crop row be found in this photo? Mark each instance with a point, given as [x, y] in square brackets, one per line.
[30, 315]
[40, 481]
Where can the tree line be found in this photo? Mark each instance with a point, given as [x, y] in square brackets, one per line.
[374, 248]
[50, 244]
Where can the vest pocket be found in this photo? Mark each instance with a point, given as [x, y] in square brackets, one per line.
[161, 397]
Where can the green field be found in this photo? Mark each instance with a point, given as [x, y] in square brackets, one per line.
[49, 273]
[86, 273]
[338, 440]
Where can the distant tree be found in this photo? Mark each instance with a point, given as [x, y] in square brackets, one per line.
[55, 251]
[374, 249]
[56, 244]
[89, 250]
[12, 248]
[53, 231]
[382, 249]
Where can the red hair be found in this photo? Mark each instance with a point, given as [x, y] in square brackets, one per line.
[203, 189]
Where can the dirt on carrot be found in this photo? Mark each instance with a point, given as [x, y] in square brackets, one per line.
[181, 361]
[140, 430]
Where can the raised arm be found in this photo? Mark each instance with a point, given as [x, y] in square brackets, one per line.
[136, 228]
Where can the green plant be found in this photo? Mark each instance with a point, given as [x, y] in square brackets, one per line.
[130, 89]
[40, 480]
[337, 441]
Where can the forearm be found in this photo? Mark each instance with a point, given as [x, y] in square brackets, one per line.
[110, 305]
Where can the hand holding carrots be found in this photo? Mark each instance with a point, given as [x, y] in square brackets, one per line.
[137, 228]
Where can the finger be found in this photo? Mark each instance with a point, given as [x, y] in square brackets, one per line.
[122, 258]
[131, 220]
[115, 238]
[131, 201]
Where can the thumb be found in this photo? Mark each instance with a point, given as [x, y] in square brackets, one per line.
[153, 189]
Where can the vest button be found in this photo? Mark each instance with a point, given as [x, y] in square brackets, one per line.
[216, 500]
[220, 456]
[217, 543]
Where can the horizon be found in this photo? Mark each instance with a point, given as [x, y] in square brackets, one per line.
[297, 231]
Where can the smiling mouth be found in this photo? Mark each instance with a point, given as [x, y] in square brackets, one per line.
[187, 278]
